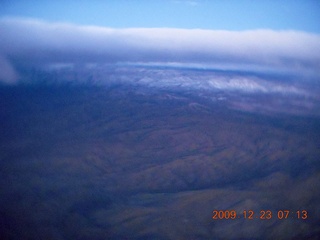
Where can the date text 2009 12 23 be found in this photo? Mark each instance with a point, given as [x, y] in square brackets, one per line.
[262, 214]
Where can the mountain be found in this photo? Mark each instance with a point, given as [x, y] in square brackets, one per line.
[150, 153]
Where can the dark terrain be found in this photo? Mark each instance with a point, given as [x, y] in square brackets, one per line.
[81, 161]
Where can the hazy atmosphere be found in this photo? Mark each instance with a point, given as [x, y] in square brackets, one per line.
[159, 119]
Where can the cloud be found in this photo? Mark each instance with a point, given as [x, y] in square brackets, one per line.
[7, 73]
[34, 42]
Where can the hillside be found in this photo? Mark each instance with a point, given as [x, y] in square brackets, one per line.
[122, 162]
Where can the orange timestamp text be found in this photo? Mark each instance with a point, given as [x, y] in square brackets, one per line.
[262, 214]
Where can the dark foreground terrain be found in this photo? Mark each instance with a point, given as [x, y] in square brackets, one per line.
[124, 162]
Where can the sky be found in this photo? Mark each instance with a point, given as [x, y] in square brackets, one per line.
[266, 35]
[303, 15]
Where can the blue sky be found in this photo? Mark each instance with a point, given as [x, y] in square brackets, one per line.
[302, 15]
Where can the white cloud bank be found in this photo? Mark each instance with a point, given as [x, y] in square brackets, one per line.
[32, 42]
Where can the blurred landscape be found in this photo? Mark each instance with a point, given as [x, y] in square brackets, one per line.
[149, 153]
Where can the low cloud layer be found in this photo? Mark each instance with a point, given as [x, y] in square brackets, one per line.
[30, 42]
